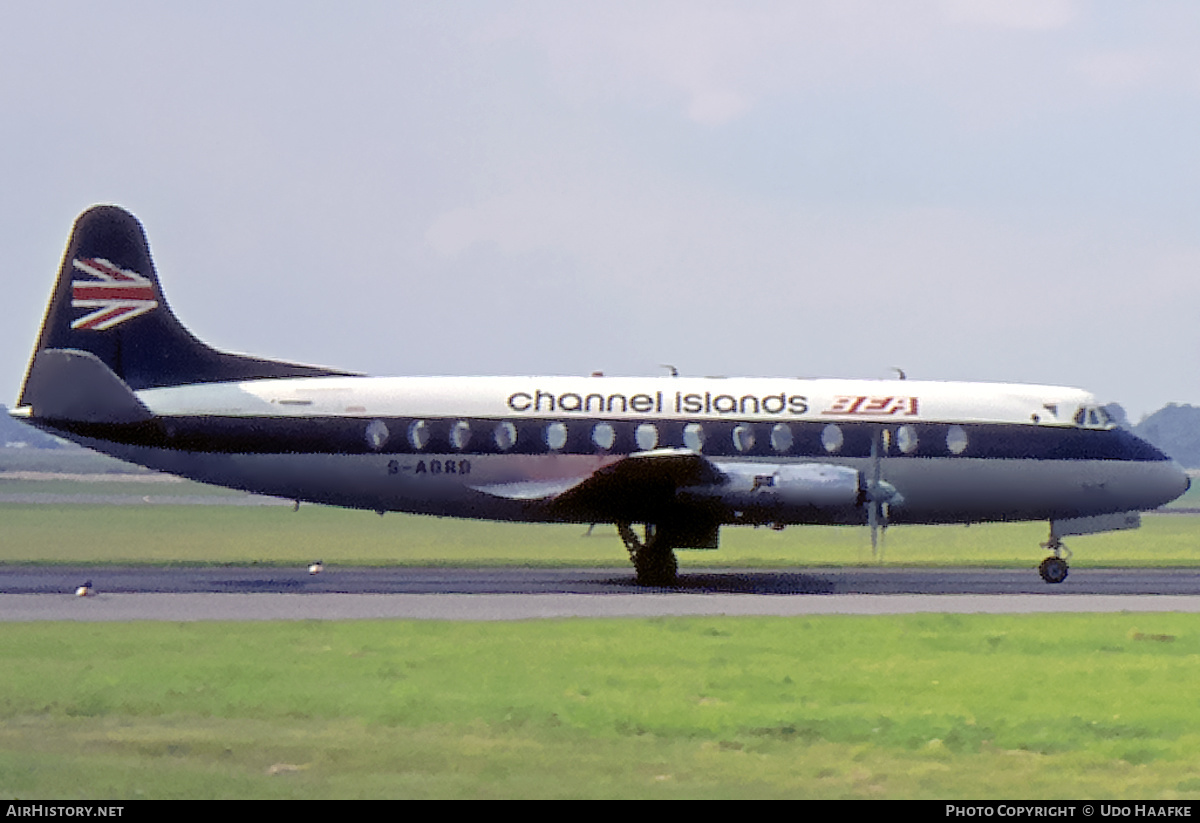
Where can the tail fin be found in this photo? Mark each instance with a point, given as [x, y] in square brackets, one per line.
[108, 302]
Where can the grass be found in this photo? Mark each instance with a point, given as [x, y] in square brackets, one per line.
[124, 485]
[70, 459]
[922, 706]
[933, 706]
[1191, 498]
[82, 534]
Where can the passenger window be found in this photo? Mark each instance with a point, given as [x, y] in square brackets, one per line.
[693, 437]
[604, 436]
[956, 439]
[377, 434]
[505, 435]
[906, 439]
[646, 436]
[418, 434]
[831, 438]
[781, 437]
[743, 438]
[556, 436]
[460, 435]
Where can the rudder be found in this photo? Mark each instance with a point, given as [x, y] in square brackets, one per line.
[108, 302]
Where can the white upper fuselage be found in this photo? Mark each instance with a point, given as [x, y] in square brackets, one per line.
[683, 398]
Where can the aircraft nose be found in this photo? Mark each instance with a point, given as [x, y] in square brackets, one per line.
[1176, 483]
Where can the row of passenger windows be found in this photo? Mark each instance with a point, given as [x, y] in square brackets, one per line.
[742, 438]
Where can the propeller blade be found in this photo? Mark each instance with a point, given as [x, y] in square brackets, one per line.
[878, 494]
[885, 511]
[873, 524]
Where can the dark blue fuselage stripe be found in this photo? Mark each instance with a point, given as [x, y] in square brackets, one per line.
[353, 435]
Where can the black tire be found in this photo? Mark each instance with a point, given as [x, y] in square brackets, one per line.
[653, 562]
[656, 567]
[1053, 569]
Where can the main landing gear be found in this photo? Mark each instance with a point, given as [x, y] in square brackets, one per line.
[653, 559]
[1054, 569]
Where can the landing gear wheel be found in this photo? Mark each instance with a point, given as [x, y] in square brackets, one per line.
[1053, 569]
[653, 561]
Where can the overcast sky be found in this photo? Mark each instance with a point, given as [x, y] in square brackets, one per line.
[1003, 190]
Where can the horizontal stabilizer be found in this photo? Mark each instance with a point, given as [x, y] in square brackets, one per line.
[68, 384]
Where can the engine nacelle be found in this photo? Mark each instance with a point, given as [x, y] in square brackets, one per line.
[785, 492]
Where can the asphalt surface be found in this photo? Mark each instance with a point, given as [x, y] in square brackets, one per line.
[262, 593]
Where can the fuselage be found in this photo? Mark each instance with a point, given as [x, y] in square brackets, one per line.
[955, 452]
[114, 369]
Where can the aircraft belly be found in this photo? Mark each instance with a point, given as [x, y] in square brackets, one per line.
[436, 484]
[970, 490]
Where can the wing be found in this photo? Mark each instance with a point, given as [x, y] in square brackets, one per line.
[642, 487]
[692, 495]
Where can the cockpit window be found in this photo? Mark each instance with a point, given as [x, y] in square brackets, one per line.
[1093, 417]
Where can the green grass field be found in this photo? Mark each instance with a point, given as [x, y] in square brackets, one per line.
[142, 533]
[69, 460]
[924, 706]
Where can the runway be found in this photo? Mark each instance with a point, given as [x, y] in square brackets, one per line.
[261, 593]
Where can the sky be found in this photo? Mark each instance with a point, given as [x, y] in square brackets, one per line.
[998, 190]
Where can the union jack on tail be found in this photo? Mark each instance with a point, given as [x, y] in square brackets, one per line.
[116, 295]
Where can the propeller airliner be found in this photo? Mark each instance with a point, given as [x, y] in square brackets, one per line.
[668, 460]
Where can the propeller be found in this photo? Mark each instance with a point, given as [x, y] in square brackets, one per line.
[879, 494]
